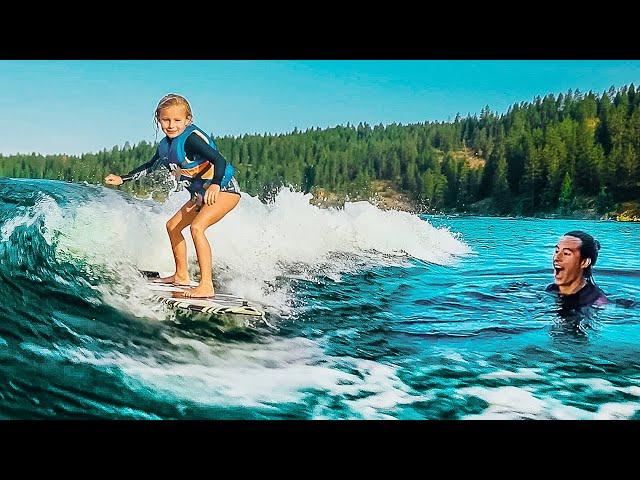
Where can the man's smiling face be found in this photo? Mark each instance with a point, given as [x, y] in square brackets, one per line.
[568, 265]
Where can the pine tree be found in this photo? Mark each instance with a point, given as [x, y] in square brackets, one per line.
[566, 199]
[501, 192]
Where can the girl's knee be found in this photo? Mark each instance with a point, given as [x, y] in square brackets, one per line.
[197, 229]
[173, 228]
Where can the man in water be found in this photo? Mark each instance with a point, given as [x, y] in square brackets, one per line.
[576, 253]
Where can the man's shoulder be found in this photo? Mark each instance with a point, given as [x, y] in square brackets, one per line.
[552, 287]
[600, 296]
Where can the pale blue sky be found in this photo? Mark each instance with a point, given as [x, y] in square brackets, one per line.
[55, 106]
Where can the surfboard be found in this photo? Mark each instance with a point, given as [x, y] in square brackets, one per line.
[221, 303]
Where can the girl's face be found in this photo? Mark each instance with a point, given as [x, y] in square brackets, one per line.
[173, 120]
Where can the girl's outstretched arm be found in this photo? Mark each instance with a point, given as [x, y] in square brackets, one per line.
[142, 170]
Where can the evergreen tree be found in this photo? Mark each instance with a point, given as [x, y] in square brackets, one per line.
[501, 192]
[566, 199]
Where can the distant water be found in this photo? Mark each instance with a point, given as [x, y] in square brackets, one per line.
[372, 314]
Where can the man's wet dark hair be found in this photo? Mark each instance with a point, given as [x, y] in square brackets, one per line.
[588, 249]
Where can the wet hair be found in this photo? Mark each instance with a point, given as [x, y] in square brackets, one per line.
[589, 247]
[171, 100]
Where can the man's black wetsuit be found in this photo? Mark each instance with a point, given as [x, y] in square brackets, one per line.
[587, 295]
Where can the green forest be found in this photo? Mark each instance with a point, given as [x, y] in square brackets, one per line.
[552, 154]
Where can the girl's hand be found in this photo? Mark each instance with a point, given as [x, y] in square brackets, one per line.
[112, 179]
[177, 173]
[211, 195]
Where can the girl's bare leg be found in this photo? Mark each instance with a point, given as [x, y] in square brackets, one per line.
[209, 214]
[175, 225]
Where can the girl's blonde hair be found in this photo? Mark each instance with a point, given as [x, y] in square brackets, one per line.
[171, 100]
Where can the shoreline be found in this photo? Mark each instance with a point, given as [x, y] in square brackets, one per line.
[384, 196]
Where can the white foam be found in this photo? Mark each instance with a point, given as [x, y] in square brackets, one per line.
[455, 356]
[521, 373]
[616, 411]
[512, 401]
[631, 390]
[520, 403]
[127, 298]
[517, 403]
[605, 386]
[43, 207]
[595, 384]
[264, 375]
[386, 392]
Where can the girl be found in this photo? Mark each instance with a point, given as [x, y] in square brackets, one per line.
[193, 157]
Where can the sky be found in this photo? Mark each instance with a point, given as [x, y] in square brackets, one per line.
[82, 106]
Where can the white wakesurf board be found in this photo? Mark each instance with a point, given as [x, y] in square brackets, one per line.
[219, 304]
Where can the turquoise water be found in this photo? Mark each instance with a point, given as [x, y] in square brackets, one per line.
[372, 315]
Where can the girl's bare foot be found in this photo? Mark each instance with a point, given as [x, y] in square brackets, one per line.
[171, 280]
[201, 291]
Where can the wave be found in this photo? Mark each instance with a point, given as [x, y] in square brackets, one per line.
[96, 239]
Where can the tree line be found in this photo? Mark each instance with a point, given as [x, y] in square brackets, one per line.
[563, 152]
